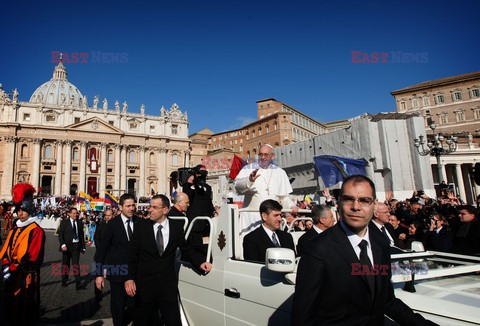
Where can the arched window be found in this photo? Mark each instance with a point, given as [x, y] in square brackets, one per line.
[131, 157]
[152, 158]
[75, 154]
[48, 151]
[174, 159]
[267, 129]
[24, 151]
[110, 156]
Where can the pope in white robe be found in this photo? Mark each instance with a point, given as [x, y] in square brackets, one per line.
[260, 181]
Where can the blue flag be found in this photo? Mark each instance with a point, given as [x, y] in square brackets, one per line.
[334, 169]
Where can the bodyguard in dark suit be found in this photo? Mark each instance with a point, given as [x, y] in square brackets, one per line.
[267, 235]
[151, 265]
[72, 243]
[322, 218]
[112, 253]
[336, 282]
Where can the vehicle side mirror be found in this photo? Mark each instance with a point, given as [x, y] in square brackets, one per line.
[280, 260]
[417, 246]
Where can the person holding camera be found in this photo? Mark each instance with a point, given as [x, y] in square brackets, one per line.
[200, 197]
[439, 236]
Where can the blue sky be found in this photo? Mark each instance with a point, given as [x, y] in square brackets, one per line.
[215, 59]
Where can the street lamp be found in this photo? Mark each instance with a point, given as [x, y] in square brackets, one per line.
[436, 147]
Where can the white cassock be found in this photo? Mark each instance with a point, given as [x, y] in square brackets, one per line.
[272, 183]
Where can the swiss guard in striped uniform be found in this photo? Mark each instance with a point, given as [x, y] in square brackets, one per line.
[21, 257]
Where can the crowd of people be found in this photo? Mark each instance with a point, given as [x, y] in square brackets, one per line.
[135, 249]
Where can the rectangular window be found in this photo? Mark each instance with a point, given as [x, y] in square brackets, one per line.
[110, 122]
[47, 167]
[460, 116]
[132, 171]
[26, 117]
[475, 93]
[74, 168]
[476, 114]
[76, 120]
[174, 129]
[457, 96]
[109, 170]
[152, 128]
[415, 103]
[50, 118]
[133, 126]
[402, 106]
[439, 99]
[426, 101]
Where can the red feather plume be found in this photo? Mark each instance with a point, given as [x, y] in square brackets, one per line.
[21, 191]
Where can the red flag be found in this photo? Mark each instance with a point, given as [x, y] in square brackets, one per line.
[237, 164]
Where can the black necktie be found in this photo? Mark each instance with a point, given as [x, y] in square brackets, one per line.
[364, 260]
[129, 230]
[159, 239]
[75, 234]
[274, 240]
[384, 231]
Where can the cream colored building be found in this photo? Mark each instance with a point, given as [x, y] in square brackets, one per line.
[453, 104]
[62, 145]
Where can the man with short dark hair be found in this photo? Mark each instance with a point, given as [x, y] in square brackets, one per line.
[322, 218]
[72, 243]
[113, 252]
[151, 265]
[467, 237]
[336, 280]
[268, 235]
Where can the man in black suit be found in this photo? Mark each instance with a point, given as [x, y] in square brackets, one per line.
[112, 256]
[268, 234]
[336, 282]
[180, 205]
[381, 220]
[322, 218]
[72, 243]
[151, 265]
[107, 216]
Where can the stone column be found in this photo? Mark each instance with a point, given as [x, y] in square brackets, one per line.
[103, 169]
[162, 172]
[83, 165]
[68, 167]
[58, 168]
[116, 183]
[123, 169]
[477, 187]
[141, 187]
[187, 158]
[460, 184]
[37, 143]
[442, 173]
[9, 166]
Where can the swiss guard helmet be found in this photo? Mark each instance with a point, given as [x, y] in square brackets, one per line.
[22, 197]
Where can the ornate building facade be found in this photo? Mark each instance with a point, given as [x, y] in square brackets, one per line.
[61, 145]
[453, 105]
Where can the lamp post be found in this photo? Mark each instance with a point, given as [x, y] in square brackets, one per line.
[436, 147]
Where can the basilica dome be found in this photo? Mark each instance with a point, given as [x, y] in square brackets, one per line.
[58, 91]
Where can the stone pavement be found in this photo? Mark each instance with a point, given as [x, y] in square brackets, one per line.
[67, 306]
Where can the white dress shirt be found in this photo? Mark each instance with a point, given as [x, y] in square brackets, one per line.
[165, 232]
[355, 241]
[269, 233]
